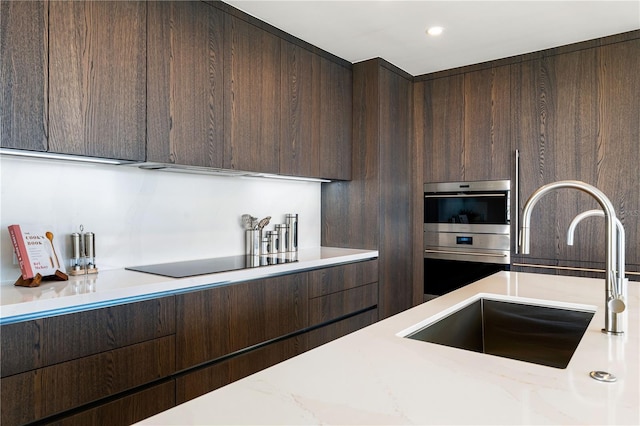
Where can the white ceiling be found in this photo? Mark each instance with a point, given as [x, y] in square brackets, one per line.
[475, 31]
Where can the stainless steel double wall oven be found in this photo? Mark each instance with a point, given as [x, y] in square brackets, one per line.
[467, 233]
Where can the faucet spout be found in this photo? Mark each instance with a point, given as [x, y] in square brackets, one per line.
[621, 279]
[614, 304]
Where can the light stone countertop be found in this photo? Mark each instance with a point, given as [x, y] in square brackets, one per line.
[373, 376]
[118, 286]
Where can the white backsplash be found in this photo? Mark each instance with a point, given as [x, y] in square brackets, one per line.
[143, 217]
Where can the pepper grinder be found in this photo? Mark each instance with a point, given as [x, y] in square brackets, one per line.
[83, 253]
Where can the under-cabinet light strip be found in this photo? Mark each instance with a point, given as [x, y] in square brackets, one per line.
[54, 156]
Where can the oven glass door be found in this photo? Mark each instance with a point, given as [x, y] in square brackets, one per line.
[443, 276]
[487, 208]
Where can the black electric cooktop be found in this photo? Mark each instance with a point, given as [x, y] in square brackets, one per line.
[191, 268]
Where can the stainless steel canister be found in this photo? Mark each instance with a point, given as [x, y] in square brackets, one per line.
[252, 242]
[291, 220]
[272, 245]
[282, 230]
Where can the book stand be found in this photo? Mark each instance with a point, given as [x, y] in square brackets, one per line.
[35, 281]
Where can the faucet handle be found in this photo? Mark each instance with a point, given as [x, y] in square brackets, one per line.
[616, 305]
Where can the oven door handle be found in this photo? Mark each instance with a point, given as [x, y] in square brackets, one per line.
[475, 194]
[470, 253]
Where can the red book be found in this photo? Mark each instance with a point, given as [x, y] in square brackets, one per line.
[35, 251]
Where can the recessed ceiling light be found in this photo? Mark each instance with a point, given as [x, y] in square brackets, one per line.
[435, 31]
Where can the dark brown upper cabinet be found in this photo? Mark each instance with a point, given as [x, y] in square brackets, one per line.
[336, 112]
[185, 85]
[23, 75]
[576, 117]
[442, 123]
[316, 106]
[466, 126]
[97, 76]
[251, 97]
[300, 111]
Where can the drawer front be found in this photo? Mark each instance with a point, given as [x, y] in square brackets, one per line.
[50, 390]
[20, 347]
[322, 335]
[126, 410]
[74, 383]
[216, 322]
[337, 278]
[77, 335]
[336, 305]
[204, 380]
[20, 398]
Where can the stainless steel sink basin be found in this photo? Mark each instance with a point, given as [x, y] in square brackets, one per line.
[527, 332]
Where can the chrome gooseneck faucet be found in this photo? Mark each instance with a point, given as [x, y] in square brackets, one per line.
[614, 299]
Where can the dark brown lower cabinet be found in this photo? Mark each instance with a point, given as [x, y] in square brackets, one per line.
[126, 410]
[336, 305]
[121, 364]
[199, 381]
[37, 394]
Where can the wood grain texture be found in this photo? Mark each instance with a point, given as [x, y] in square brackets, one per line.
[216, 322]
[335, 120]
[487, 125]
[418, 191]
[127, 410]
[20, 398]
[251, 98]
[77, 335]
[185, 84]
[204, 380]
[78, 382]
[619, 138]
[322, 335]
[20, 347]
[299, 111]
[350, 210]
[396, 192]
[338, 278]
[443, 129]
[23, 74]
[556, 131]
[97, 78]
[336, 305]
[374, 210]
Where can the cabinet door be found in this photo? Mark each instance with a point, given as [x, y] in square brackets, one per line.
[251, 98]
[184, 89]
[556, 130]
[443, 124]
[97, 75]
[23, 75]
[577, 119]
[487, 115]
[336, 114]
[222, 320]
[300, 111]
